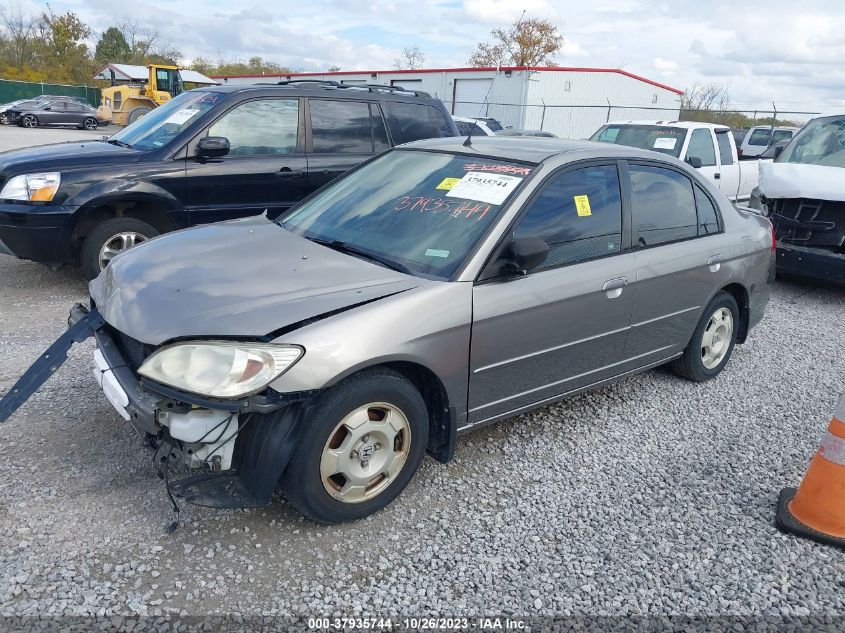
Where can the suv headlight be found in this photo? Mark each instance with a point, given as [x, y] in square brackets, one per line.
[33, 187]
[220, 369]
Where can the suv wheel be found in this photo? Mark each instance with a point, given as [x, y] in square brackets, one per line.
[712, 342]
[360, 449]
[136, 114]
[110, 238]
[90, 123]
[29, 121]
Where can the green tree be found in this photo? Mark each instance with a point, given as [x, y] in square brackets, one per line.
[531, 42]
[112, 47]
[62, 47]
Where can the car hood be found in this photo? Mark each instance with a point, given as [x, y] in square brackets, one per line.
[245, 278]
[797, 180]
[57, 155]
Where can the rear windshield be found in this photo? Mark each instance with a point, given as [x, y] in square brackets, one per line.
[820, 142]
[663, 139]
[422, 210]
[160, 126]
[494, 125]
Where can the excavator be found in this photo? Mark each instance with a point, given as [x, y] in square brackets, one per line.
[126, 103]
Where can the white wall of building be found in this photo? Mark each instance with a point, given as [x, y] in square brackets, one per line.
[576, 101]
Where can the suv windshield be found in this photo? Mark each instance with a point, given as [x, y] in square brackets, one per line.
[666, 140]
[820, 142]
[163, 124]
[421, 211]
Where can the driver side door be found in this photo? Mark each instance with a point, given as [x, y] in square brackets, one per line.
[563, 325]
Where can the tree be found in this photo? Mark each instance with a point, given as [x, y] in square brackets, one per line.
[412, 58]
[706, 97]
[334, 69]
[531, 42]
[18, 36]
[254, 66]
[146, 45]
[62, 46]
[112, 47]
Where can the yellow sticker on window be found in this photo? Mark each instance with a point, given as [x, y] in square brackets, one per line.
[582, 206]
[448, 183]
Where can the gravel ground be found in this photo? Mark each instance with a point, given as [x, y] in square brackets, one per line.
[651, 496]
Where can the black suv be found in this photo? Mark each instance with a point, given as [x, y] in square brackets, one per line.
[210, 154]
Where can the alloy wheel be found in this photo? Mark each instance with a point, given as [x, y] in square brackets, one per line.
[717, 337]
[117, 244]
[365, 452]
[90, 124]
[30, 121]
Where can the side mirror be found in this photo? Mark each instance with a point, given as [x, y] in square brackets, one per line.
[526, 253]
[694, 161]
[213, 146]
[48, 107]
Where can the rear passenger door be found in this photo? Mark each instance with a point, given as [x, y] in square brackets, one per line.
[679, 247]
[342, 134]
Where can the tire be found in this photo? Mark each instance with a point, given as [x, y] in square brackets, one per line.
[30, 121]
[90, 123]
[106, 232]
[4, 119]
[137, 113]
[303, 482]
[702, 361]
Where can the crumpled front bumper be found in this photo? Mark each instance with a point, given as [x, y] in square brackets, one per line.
[815, 263]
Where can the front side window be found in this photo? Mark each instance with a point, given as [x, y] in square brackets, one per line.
[340, 127]
[701, 147]
[663, 139]
[760, 137]
[578, 214]
[423, 211]
[263, 127]
[662, 205]
[415, 121]
[725, 150]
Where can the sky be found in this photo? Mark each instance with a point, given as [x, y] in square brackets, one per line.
[787, 52]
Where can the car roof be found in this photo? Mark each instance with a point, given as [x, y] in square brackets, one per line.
[343, 91]
[534, 149]
[777, 127]
[681, 124]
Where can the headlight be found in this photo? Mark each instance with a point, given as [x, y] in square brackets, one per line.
[34, 187]
[220, 369]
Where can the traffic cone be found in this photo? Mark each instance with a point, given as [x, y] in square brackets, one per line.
[817, 509]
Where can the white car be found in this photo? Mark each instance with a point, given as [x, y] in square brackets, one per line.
[477, 126]
[761, 137]
[707, 147]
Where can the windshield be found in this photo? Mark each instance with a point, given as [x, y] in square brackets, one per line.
[820, 142]
[424, 211]
[163, 124]
[666, 140]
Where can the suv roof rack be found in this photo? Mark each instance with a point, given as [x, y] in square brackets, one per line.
[334, 85]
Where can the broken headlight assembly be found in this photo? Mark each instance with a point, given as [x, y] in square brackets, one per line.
[32, 187]
[220, 369]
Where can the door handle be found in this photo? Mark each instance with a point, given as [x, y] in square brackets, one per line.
[717, 175]
[715, 263]
[613, 287]
[287, 172]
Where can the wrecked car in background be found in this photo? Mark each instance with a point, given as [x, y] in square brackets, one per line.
[803, 193]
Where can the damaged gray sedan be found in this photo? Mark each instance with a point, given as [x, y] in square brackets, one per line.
[437, 288]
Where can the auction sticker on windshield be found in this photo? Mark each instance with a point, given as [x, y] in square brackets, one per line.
[484, 187]
[180, 116]
[665, 142]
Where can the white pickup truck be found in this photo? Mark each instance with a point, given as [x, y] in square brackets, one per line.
[709, 148]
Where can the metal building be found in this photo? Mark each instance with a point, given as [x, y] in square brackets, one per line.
[569, 102]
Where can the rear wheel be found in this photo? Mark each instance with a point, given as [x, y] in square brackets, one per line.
[360, 449]
[137, 113]
[110, 238]
[713, 341]
[90, 123]
[29, 121]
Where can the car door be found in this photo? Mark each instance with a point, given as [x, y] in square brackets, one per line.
[74, 114]
[701, 147]
[52, 113]
[728, 168]
[679, 247]
[563, 325]
[341, 134]
[266, 167]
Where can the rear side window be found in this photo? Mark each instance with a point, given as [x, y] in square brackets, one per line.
[340, 127]
[760, 137]
[415, 121]
[663, 206]
[701, 146]
[578, 214]
[708, 219]
[781, 135]
[725, 152]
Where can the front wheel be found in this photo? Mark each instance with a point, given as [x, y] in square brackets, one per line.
[29, 121]
[137, 113]
[90, 124]
[110, 238]
[713, 341]
[360, 448]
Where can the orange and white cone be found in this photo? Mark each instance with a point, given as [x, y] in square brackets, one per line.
[817, 509]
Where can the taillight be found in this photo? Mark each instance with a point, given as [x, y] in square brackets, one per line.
[739, 152]
[774, 239]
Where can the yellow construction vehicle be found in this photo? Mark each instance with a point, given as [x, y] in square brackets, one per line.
[123, 104]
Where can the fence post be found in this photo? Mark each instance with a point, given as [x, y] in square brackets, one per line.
[607, 118]
[543, 115]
